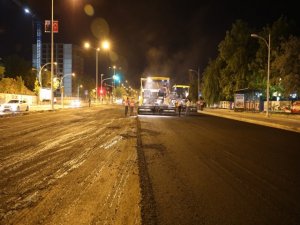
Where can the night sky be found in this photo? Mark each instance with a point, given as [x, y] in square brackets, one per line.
[148, 37]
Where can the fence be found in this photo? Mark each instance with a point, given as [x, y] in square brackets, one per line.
[30, 99]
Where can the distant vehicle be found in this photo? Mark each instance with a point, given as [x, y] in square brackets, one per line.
[180, 93]
[15, 105]
[155, 96]
[75, 103]
[295, 108]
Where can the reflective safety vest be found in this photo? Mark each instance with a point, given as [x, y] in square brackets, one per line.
[126, 103]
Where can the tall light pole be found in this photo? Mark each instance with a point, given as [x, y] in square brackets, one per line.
[114, 67]
[62, 88]
[40, 72]
[52, 42]
[87, 46]
[198, 81]
[105, 46]
[79, 86]
[268, 75]
[97, 51]
[101, 91]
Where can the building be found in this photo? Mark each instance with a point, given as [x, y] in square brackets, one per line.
[69, 60]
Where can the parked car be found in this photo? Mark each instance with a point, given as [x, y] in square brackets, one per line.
[14, 105]
[295, 108]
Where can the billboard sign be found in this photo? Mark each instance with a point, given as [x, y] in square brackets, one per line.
[239, 101]
[48, 26]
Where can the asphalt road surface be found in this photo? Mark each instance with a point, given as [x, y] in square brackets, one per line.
[95, 166]
[210, 170]
[75, 166]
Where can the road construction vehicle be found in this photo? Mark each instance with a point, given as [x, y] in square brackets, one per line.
[180, 95]
[155, 96]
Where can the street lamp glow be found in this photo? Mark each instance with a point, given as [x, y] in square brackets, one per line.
[268, 74]
[40, 71]
[105, 45]
[26, 10]
[254, 35]
[87, 45]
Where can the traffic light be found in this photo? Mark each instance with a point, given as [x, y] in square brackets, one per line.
[116, 77]
[102, 91]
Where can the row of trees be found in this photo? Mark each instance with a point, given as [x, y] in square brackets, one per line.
[242, 62]
[15, 66]
[14, 86]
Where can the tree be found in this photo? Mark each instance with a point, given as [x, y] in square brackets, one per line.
[15, 66]
[193, 83]
[287, 65]
[13, 86]
[235, 51]
[119, 92]
[2, 70]
[211, 87]
[37, 87]
[29, 79]
[280, 30]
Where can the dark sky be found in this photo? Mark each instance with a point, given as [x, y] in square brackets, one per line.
[148, 37]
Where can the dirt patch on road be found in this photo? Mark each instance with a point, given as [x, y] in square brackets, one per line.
[87, 173]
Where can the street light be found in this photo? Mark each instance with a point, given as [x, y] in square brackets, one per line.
[114, 67]
[198, 81]
[40, 72]
[87, 46]
[52, 55]
[101, 87]
[79, 86]
[105, 45]
[62, 88]
[268, 75]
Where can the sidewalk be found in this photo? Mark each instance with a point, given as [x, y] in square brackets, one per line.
[289, 122]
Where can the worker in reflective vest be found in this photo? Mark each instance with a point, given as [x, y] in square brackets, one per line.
[131, 105]
[126, 103]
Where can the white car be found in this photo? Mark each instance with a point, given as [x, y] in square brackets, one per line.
[15, 105]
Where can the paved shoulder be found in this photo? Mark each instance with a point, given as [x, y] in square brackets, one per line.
[282, 121]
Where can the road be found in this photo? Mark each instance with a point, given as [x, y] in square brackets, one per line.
[75, 166]
[210, 170]
[95, 166]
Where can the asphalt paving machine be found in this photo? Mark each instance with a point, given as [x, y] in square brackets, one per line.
[155, 96]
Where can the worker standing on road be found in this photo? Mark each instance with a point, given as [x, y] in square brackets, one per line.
[126, 103]
[131, 105]
[179, 108]
[187, 105]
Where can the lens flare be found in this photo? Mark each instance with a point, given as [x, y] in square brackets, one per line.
[100, 28]
[89, 9]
